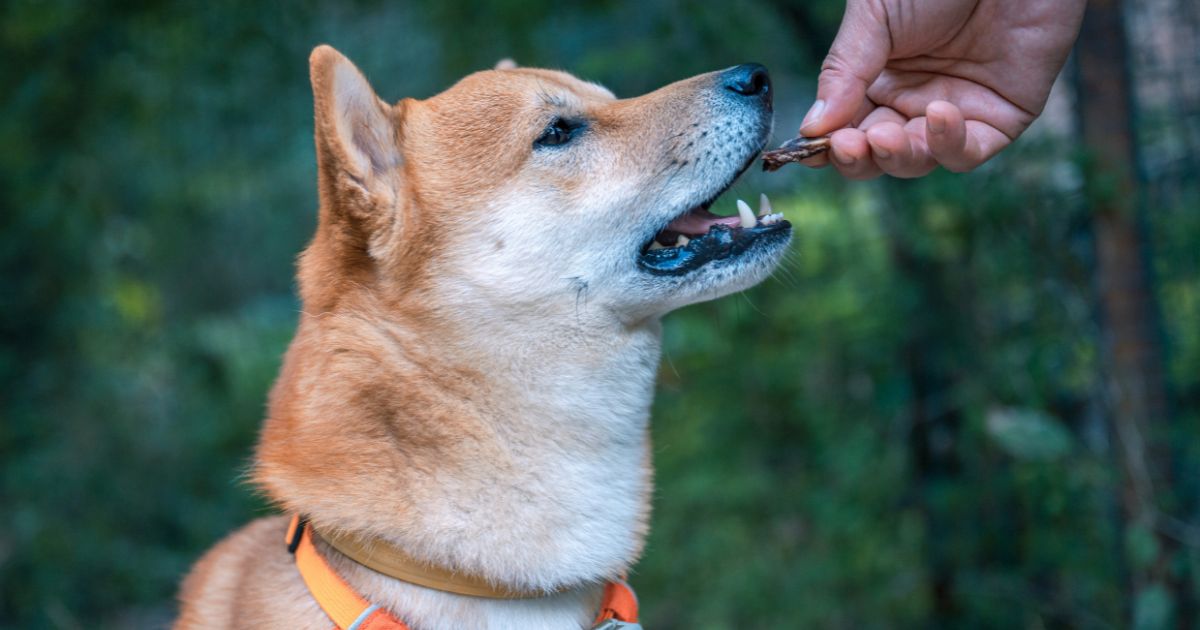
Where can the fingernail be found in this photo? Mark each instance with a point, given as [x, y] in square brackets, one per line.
[936, 124]
[814, 114]
[881, 152]
[844, 160]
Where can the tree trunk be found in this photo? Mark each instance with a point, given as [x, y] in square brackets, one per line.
[1135, 385]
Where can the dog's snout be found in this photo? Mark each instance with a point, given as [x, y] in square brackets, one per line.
[750, 80]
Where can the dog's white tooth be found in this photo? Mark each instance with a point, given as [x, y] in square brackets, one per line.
[683, 241]
[764, 205]
[746, 214]
[656, 245]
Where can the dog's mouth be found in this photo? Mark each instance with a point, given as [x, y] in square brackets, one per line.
[698, 237]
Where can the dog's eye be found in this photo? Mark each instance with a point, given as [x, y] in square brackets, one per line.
[557, 132]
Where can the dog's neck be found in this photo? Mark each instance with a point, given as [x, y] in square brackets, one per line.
[517, 454]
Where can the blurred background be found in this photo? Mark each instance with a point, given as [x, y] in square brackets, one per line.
[966, 401]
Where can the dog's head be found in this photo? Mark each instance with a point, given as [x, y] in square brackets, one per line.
[481, 301]
[522, 186]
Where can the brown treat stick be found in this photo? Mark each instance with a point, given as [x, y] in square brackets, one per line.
[794, 150]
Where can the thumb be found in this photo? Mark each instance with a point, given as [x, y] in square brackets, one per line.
[859, 53]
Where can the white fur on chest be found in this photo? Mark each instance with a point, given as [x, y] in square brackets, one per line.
[563, 499]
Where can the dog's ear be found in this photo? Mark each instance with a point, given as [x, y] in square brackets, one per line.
[356, 132]
[505, 64]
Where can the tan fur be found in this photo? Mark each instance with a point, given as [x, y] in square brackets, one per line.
[471, 375]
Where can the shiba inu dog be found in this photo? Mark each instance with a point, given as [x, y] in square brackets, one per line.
[465, 403]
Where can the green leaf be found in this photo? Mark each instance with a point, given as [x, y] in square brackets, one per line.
[1029, 434]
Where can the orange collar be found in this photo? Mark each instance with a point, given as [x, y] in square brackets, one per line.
[349, 611]
[392, 561]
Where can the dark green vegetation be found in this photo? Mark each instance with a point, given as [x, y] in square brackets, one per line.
[912, 425]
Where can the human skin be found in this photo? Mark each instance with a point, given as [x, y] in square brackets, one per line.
[912, 84]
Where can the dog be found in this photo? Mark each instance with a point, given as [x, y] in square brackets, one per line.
[465, 403]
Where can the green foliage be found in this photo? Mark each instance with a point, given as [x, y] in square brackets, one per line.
[903, 428]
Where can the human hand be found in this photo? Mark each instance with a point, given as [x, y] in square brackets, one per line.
[911, 84]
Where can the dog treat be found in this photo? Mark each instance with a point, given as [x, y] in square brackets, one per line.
[794, 150]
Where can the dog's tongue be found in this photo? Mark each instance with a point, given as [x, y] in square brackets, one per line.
[698, 221]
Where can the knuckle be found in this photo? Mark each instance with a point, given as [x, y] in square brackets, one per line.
[834, 63]
[839, 68]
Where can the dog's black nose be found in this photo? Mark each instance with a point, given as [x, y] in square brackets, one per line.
[750, 80]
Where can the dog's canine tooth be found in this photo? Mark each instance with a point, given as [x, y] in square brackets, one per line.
[683, 241]
[764, 205]
[656, 245]
[746, 214]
